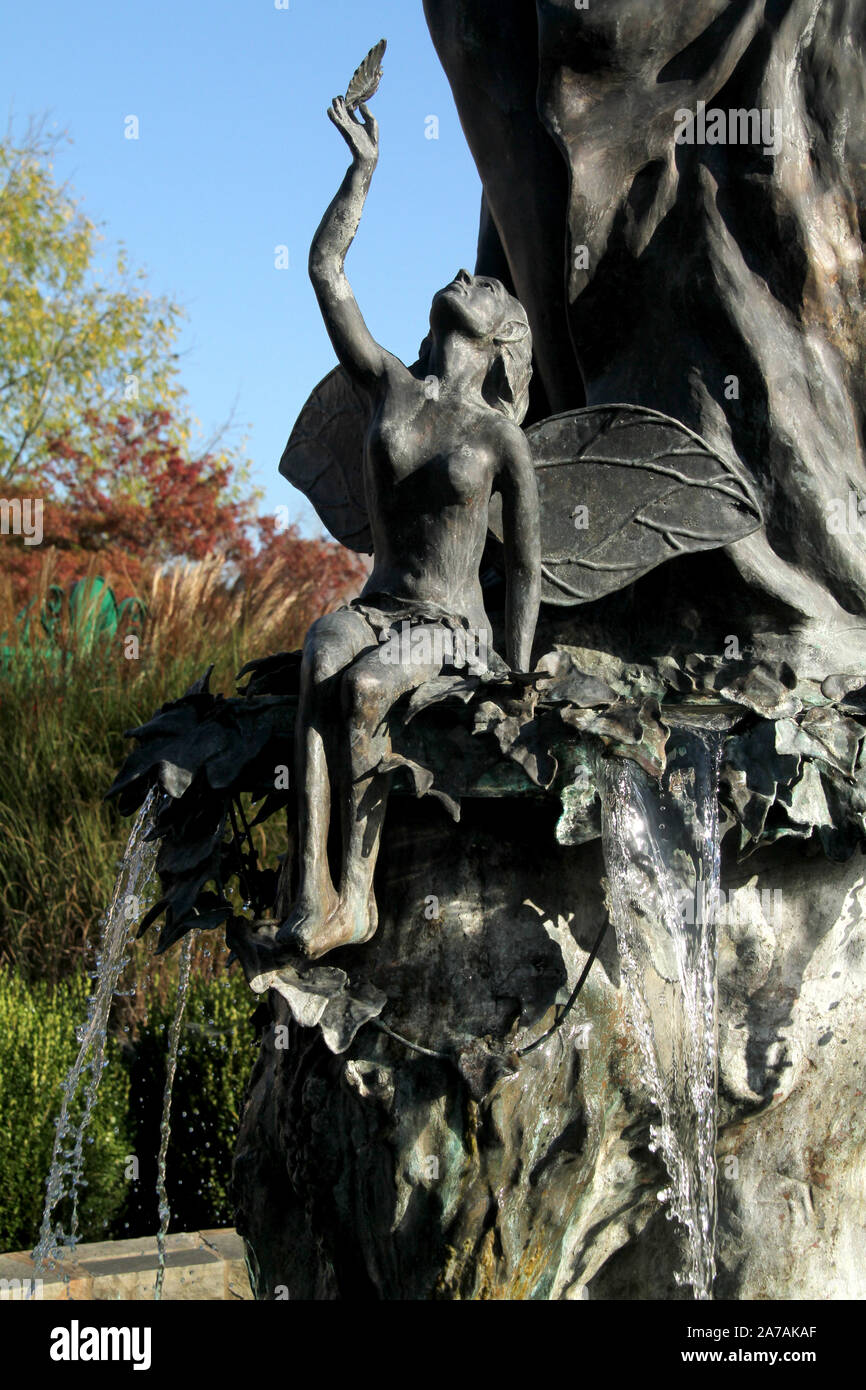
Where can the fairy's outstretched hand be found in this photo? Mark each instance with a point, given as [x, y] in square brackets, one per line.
[362, 137]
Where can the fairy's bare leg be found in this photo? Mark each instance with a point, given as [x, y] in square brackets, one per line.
[332, 643]
[370, 689]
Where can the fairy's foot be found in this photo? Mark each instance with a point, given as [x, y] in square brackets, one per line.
[350, 923]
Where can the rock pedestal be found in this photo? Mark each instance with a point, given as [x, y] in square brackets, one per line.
[457, 1169]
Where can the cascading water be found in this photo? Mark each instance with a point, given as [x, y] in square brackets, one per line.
[67, 1160]
[165, 1121]
[661, 847]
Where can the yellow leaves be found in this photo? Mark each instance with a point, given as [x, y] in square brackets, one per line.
[66, 336]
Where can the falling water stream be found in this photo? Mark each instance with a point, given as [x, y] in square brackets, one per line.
[661, 846]
[165, 1121]
[67, 1160]
[65, 1178]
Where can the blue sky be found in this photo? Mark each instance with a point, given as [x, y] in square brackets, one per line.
[235, 156]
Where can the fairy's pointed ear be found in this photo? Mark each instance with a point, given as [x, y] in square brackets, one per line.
[512, 331]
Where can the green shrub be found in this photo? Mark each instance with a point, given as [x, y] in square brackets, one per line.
[37, 1047]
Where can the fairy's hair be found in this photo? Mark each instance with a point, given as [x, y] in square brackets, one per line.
[506, 386]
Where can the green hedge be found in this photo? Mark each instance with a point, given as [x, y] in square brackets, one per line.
[215, 1056]
[37, 1047]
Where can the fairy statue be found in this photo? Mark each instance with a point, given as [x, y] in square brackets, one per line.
[442, 438]
[420, 465]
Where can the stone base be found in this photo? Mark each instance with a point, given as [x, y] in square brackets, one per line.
[199, 1265]
[385, 1173]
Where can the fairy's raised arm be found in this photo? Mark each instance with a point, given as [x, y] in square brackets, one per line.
[365, 360]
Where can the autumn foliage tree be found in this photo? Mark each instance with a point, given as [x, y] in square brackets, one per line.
[79, 332]
[94, 424]
[132, 498]
[130, 495]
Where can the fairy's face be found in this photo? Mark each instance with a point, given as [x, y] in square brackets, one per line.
[474, 304]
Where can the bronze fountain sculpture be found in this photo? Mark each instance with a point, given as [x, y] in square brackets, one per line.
[566, 490]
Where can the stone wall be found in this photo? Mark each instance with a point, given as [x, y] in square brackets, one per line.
[198, 1265]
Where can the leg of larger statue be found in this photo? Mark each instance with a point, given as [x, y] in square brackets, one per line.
[387, 1173]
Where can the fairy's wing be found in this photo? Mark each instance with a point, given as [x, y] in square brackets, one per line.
[621, 489]
[324, 458]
